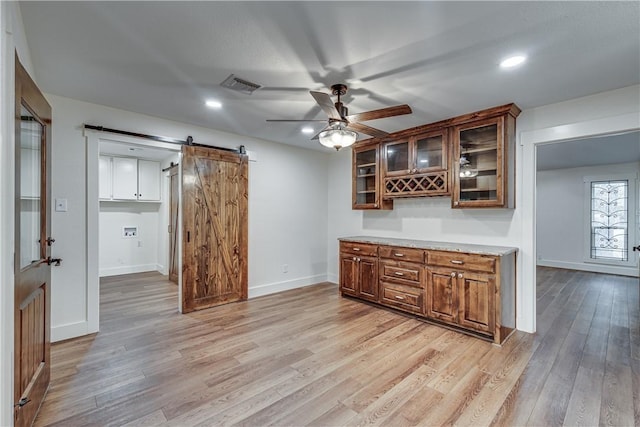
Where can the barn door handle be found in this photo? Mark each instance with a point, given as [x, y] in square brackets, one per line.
[22, 402]
[188, 236]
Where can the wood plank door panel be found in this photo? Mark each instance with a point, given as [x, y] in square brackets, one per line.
[214, 267]
[173, 223]
[32, 277]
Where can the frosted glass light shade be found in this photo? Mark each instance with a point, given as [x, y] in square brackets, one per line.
[337, 138]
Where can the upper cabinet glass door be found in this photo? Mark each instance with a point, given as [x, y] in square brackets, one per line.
[479, 164]
[366, 177]
[431, 153]
[397, 157]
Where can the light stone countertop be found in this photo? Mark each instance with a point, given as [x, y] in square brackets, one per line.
[434, 246]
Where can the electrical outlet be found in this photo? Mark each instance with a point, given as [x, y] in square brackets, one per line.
[285, 268]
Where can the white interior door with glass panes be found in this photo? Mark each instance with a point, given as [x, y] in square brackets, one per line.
[611, 208]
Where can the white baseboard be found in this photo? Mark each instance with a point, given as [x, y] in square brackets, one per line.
[333, 278]
[270, 288]
[162, 270]
[127, 269]
[594, 268]
[70, 330]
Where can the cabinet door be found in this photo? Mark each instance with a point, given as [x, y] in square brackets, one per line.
[365, 178]
[125, 178]
[479, 171]
[397, 157]
[104, 177]
[148, 180]
[368, 278]
[476, 298]
[348, 274]
[442, 294]
[431, 151]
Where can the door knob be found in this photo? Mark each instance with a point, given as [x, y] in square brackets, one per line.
[50, 241]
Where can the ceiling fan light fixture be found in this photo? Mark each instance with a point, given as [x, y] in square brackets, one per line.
[337, 138]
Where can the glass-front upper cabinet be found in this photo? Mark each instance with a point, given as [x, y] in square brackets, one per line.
[416, 154]
[484, 158]
[366, 178]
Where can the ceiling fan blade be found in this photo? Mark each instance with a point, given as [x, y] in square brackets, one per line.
[294, 120]
[326, 104]
[398, 110]
[367, 130]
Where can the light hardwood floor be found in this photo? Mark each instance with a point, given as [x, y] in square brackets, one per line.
[310, 357]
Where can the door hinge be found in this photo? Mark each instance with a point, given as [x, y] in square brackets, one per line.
[22, 402]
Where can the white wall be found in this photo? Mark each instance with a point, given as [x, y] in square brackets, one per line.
[560, 207]
[12, 39]
[123, 255]
[287, 206]
[432, 219]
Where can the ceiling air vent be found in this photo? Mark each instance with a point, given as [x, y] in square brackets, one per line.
[240, 85]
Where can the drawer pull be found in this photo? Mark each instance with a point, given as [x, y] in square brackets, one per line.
[358, 250]
[397, 273]
[399, 297]
[399, 255]
[455, 261]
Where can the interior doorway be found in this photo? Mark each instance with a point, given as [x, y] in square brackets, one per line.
[587, 203]
[134, 214]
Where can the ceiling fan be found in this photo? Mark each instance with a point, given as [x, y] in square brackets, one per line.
[343, 128]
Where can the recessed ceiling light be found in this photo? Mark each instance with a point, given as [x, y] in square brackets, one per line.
[513, 61]
[307, 129]
[213, 104]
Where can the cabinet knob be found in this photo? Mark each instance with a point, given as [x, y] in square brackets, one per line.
[460, 276]
[355, 259]
[375, 205]
[453, 274]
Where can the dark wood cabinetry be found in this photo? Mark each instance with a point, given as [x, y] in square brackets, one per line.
[367, 178]
[470, 158]
[359, 271]
[471, 292]
[484, 161]
[416, 165]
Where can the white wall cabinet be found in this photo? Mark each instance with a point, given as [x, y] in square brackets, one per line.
[127, 178]
[104, 178]
[148, 180]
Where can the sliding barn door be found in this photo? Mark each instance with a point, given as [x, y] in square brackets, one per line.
[214, 227]
[32, 249]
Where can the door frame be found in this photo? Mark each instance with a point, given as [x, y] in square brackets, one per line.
[92, 145]
[529, 141]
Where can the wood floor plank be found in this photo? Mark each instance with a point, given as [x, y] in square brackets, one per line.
[311, 357]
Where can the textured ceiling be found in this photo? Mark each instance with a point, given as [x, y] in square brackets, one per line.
[441, 58]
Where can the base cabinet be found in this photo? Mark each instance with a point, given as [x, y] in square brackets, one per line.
[471, 292]
[359, 271]
[461, 298]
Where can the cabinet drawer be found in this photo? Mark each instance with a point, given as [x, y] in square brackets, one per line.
[402, 254]
[404, 271]
[462, 261]
[403, 297]
[364, 249]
